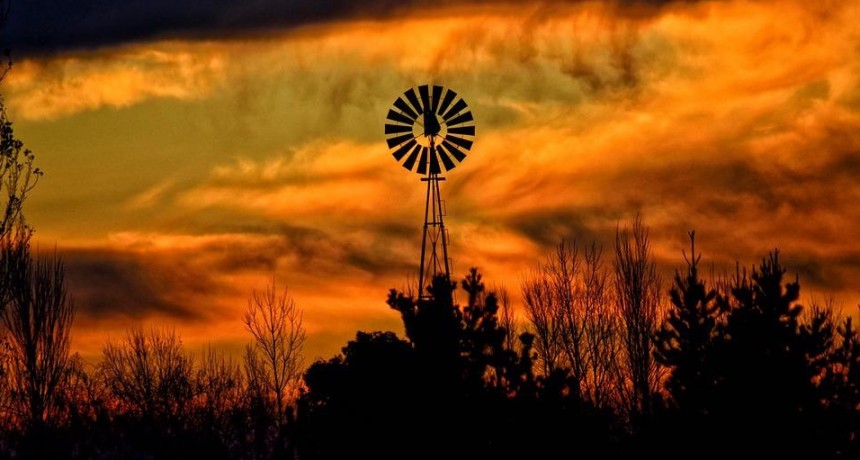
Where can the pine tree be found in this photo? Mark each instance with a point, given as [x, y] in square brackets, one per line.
[686, 338]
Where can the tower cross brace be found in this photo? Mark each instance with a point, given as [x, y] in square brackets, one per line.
[434, 244]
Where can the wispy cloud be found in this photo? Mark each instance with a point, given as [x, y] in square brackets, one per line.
[737, 119]
[68, 85]
[152, 196]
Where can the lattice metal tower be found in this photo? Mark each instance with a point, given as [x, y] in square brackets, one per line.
[429, 131]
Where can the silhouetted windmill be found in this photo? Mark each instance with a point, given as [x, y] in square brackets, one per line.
[429, 131]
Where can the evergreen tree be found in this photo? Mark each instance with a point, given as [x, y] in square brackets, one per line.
[687, 336]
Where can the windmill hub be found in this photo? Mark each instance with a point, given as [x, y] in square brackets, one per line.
[430, 131]
[431, 124]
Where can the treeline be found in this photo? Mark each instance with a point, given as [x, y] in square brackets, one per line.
[607, 365]
[605, 361]
[147, 397]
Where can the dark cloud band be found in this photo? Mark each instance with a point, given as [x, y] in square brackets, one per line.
[37, 27]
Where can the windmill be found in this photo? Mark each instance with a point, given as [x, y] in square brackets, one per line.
[429, 131]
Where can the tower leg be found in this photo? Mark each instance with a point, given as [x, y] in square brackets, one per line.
[433, 264]
[442, 233]
[422, 287]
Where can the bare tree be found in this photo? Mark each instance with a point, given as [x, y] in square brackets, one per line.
[149, 375]
[564, 271]
[541, 314]
[568, 302]
[507, 319]
[38, 316]
[8, 404]
[599, 323]
[218, 396]
[218, 384]
[83, 396]
[273, 361]
[548, 296]
[638, 292]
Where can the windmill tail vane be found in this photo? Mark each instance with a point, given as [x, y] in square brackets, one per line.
[430, 130]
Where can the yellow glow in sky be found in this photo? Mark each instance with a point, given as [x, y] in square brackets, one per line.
[183, 174]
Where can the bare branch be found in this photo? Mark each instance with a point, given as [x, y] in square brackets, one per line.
[638, 290]
[274, 360]
[38, 315]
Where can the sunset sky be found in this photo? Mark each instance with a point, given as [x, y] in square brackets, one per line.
[194, 151]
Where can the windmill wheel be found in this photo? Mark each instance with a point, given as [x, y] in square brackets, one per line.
[429, 130]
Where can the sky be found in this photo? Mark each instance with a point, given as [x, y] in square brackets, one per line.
[197, 151]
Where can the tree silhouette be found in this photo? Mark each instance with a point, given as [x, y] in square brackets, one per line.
[686, 344]
[488, 362]
[274, 358]
[766, 383]
[273, 366]
[749, 375]
[455, 368]
[84, 426]
[432, 326]
[567, 301]
[18, 177]
[685, 340]
[638, 293]
[18, 174]
[507, 317]
[150, 375]
[460, 347]
[839, 390]
[38, 316]
[219, 408]
[365, 402]
[600, 327]
[549, 300]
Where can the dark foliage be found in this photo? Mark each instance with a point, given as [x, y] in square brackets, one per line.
[452, 390]
[750, 375]
[362, 401]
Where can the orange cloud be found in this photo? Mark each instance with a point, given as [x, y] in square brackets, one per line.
[737, 119]
[67, 85]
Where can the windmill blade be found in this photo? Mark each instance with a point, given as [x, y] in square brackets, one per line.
[392, 129]
[461, 119]
[410, 94]
[454, 151]
[413, 155]
[437, 95]
[434, 162]
[400, 152]
[449, 96]
[454, 110]
[446, 160]
[397, 140]
[466, 144]
[394, 116]
[467, 130]
[422, 163]
[425, 96]
[404, 107]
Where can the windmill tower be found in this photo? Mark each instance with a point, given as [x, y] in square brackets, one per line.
[429, 132]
